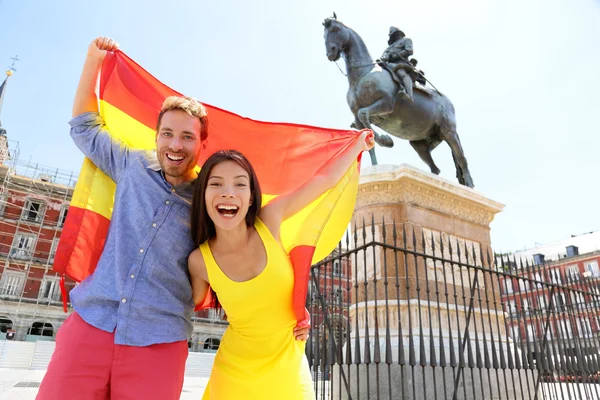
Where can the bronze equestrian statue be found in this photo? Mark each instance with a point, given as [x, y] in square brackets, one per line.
[414, 112]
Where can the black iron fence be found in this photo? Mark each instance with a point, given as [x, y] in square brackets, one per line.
[400, 312]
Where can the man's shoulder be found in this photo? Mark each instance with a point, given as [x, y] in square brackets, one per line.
[143, 158]
[149, 159]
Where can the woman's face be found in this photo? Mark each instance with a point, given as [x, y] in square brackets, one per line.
[228, 195]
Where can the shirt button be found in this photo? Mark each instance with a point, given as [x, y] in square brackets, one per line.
[167, 202]
[124, 301]
[154, 225]
[132, 276]
[141, 250]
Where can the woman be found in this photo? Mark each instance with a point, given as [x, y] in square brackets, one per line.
[240, 256]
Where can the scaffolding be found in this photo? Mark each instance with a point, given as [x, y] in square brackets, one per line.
[28, 191]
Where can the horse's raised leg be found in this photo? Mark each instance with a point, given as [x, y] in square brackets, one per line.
[358, 125]
[423, 149]
[382, 106]
[449, 135]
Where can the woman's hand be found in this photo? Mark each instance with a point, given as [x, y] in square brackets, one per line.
[301, 333]
[369, 140]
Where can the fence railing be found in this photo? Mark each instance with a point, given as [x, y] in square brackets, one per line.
[400, 312]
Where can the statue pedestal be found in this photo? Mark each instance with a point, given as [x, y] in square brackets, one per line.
[425, 304]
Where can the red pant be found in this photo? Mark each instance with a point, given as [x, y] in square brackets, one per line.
[88, 365]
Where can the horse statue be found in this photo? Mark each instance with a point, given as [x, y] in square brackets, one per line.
[373, 99]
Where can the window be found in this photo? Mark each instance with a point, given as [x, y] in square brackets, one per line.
[525, 304]
[50, 289]
[555, 276]
[214, 314]
[336, 267]
[567, 329]
[508, 286]
[559, 300]
[23, 246]
[12, 283]
[541, 302]
[41, 329]
[212, 344]
[592, 267]
[62, 216]
[573, 272]
[583, 327]
[53, 249]
[522, 285]
[338, 297]
[577, 299]
[312, 291]
[508, 306]
[5, 324]
[549, 333]
[530, 332]
[33, 211]
[539, 279]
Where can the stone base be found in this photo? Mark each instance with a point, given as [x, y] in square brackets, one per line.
[396, 382]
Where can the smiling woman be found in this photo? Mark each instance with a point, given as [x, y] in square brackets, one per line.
[241, 257]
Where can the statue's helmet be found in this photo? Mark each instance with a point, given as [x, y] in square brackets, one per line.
[395, 34]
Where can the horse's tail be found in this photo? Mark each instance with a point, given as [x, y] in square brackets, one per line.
[448, 123]
[459, 171]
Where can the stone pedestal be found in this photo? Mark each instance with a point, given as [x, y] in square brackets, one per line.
[425, 288]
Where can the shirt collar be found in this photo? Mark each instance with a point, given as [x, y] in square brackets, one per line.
[153, 163]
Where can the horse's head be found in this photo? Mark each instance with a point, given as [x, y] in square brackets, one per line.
[336, 37]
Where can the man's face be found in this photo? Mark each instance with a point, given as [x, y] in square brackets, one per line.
[178, 145]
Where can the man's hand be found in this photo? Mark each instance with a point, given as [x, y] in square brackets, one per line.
[100, 46]
[85, 97]
[301, 333]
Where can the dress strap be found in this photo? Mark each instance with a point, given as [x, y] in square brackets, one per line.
[215, 275]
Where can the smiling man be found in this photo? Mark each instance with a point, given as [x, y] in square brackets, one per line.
[127, 337]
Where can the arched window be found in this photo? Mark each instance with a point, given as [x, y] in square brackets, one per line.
[5, 324]
[212, 344]
[41, 329]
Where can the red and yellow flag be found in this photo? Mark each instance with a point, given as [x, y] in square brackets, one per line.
[283, 155]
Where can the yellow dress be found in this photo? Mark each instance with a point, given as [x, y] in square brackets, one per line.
[259, 358]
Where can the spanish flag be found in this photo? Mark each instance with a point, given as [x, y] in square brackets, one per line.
[283, 155]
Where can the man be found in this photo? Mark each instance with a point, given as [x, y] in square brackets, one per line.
[127, 338]
[396, 56]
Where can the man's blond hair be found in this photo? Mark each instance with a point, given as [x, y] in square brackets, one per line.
[191, 106]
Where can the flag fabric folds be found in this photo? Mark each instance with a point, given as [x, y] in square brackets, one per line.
[284, 156]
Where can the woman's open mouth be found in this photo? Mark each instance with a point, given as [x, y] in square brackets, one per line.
[227, 210]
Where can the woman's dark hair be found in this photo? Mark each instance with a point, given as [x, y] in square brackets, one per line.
[203, 228]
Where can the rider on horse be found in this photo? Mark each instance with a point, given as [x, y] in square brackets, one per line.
[396, 60]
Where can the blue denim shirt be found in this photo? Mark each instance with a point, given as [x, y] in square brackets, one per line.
[141, 287]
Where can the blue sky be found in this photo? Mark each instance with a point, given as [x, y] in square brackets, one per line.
[522, 74]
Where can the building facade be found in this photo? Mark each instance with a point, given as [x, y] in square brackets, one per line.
[552, 296]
